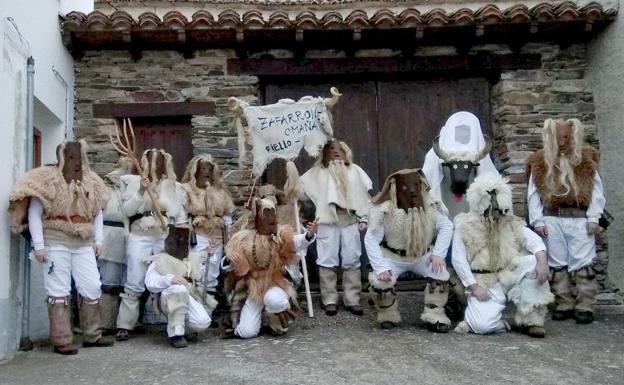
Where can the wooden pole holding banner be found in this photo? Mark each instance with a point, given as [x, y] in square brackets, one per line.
[276, 143]
[304, 266]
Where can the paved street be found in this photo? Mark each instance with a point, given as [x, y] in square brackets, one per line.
[346, 350]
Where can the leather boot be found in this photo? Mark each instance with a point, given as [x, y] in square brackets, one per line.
[61, 335]
[90, 324]
[564, 298]
[329, 293]
[586, 289]
[109, 307]
[433, 316]
[352, 289]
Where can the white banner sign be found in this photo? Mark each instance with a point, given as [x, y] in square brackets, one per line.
[282, 129]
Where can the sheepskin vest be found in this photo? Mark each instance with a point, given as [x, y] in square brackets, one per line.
[331, 206]
[394, 221]
[477, 241]
[583, 173]
[208, 207]
[188, 268]
[71, 216]
[263, 260]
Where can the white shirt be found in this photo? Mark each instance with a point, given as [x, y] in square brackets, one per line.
[534, 244]
[536, 208]
[373, 238]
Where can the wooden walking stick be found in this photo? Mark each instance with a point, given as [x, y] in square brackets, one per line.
[125, 147]
[304, 266]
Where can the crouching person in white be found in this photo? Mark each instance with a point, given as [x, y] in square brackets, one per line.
[402, 226]
[257, 258]
[499, 259]
[175, 274]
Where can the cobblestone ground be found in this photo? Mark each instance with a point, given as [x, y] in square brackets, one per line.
[345, 350]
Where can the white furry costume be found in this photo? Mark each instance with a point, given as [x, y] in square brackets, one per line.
[499, 255]
[183, 305]
[391, 225]
[338, 233]
[147, 236]
[462, 138]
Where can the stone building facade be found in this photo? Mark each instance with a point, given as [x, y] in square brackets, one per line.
[534, 56]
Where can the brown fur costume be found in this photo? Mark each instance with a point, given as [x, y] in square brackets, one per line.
[60, 206]
[207, 205]
[285, 209]
[259, 271]
[584, 175]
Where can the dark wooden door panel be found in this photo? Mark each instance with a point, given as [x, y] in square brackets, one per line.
[355, 122]
[173, 134]
[411, 114]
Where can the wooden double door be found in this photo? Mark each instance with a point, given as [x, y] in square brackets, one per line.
[389, 124]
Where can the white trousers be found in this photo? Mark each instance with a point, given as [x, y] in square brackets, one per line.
[335, 240]
[65, 263]
[275, 300]
[484, 317]
[419, 267]
[568, 243]
[139, 247]
[197, 318]
[214, 261]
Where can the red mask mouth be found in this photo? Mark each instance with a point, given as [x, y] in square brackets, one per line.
[458, 197]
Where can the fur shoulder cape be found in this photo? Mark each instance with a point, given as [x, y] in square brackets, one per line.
[263, 259]
[47, 184]
[584, 174]
[479, 244]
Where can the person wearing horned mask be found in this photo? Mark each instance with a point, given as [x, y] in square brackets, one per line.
[408, 232]
[339, 190]
[565, 202]
[61, 205]
[256, 259]
[498, 260]
[458, 154]
[210, 208]
[147, 235]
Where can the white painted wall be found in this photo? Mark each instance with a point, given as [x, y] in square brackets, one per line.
[606, 72]
[29, 27]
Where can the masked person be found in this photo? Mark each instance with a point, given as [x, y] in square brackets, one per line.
[499, 259]
[566, 200]
[147, 235]
[176, 275]
[339, 190]
[257, 258]
[458, 154]
[403, 224]
[62, 208]
[211, 208]
[112, 260]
